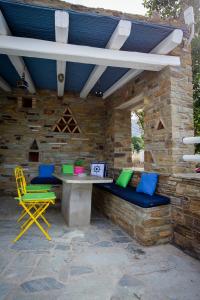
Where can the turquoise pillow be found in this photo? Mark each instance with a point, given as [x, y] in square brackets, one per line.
[124, 177]
[147, 184]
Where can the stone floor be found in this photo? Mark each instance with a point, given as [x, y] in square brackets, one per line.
[99, 262]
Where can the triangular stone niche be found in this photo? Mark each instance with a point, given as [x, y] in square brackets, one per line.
[34, 146]
[148, 157]
[67, 123]
[160, 125]
[33, 155]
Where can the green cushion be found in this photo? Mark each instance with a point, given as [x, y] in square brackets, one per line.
[38, 196]
[38, 187]
[68, 169]
[124, 177]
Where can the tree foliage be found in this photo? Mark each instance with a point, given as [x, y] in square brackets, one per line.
[140, 114]
[196, 85]
[137, 143]
[174, 8]
[166, 8]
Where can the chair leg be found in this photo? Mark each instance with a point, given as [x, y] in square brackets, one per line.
[39, 211]
[44, 219]
[23, 214]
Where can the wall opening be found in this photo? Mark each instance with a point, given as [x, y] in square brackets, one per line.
[27, 102]
[137, 138]
[33, 155]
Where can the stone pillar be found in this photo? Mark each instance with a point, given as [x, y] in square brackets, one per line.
[169, 117]
[118, 140]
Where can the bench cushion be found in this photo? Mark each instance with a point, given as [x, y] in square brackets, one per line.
[46, 180]
[39, 196]
[38, 188]
[129, 194]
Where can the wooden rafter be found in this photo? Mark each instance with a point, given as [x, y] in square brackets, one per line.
[83, 54]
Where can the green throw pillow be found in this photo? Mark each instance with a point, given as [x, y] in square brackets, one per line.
[68, 169]
[124, 178]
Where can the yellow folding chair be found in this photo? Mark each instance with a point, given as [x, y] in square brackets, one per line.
[32, 188]
[37, 201]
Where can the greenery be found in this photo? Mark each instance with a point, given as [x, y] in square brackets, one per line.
[140, 115]
[137, 143]
[174, 8]
[196, 85]
[79, 163]
[166, 8]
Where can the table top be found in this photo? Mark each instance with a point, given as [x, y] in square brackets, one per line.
[85, 179]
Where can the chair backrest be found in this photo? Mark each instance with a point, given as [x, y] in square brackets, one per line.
[20, 181]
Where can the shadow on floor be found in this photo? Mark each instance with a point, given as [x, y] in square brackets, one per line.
[98, 262]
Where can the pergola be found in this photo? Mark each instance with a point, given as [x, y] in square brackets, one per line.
[79, 52]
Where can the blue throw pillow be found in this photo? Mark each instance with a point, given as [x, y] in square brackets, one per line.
[46, 170]
[147, 184]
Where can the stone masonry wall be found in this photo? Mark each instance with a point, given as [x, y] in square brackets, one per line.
[168, 114]
[149, 226]
[118, 139]
[168, 108]
[17, 136]
[184, 192]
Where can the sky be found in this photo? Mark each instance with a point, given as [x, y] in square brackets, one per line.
[128, 6]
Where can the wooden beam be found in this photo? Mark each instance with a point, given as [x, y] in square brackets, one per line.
[17, 62]
[4, 85]
[28, 47]
[61, 31]
[135, 101]
[117, 40]
[164, 47]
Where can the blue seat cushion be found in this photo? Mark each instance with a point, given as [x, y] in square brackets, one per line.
[46, 180]
[129, 194]
[46, 170]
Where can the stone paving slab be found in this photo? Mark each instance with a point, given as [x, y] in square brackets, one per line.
[98, 262]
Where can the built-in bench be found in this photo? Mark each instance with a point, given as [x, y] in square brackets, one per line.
[46, 180]
[146, 218]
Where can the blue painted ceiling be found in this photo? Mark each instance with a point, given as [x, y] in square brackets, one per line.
[88, 29]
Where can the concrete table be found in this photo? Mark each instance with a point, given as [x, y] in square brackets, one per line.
[76, 198]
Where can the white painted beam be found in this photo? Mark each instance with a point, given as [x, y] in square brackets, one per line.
[28, 47]
[191, 140]
[194, 158]
[4, 85]
[20, 67]
[61, 31]
[17, 62]
[117, 40]
[164, 47]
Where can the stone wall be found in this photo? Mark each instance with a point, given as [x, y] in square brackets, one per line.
[149, 226]
[168, 114]
[168, 108]
[184, 192]
[17, 134]
[118, 139]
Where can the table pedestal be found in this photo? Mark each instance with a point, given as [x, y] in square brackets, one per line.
[76, 203]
